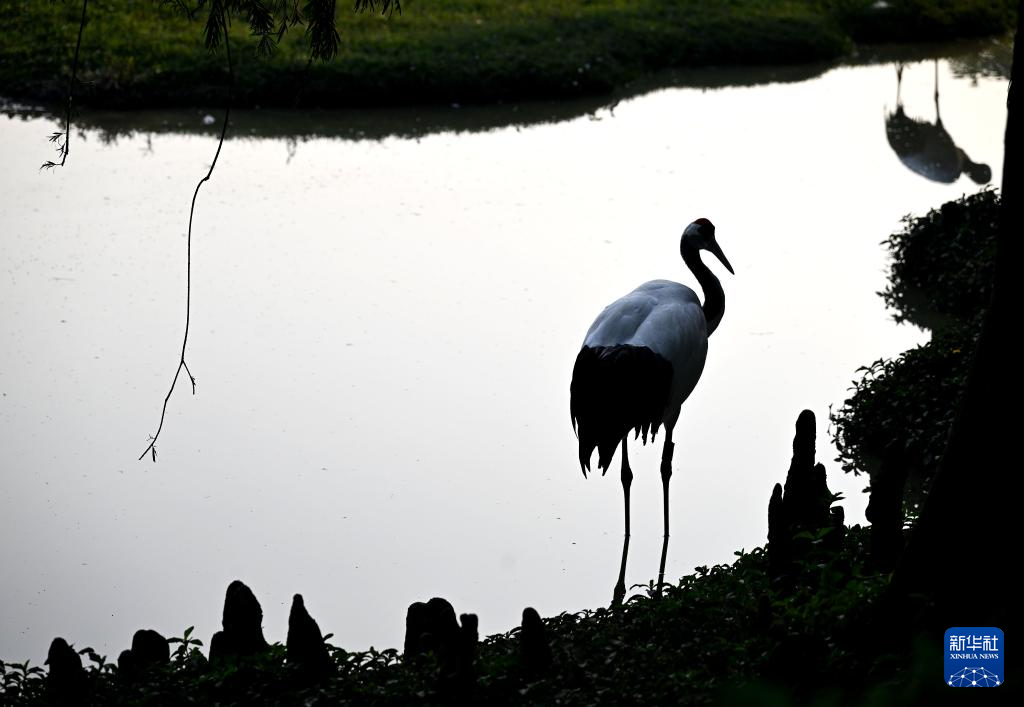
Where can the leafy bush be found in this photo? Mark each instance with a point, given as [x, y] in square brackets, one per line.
[902, 409]
[943, 262]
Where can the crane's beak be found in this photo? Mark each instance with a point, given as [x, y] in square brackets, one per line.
[716, 250]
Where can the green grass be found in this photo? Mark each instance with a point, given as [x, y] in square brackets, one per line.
[138, 53]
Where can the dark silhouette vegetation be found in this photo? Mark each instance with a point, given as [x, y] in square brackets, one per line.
[969, 58]
[142, 54]
[895, 425]
[943, 263]
[969, 481]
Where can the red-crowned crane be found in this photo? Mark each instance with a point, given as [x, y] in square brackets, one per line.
[641, 358]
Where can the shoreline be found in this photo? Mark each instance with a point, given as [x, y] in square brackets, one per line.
[138, 56]
[976, 57]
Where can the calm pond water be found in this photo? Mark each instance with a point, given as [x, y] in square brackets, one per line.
[383, 333]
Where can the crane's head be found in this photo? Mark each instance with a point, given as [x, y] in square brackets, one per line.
[700, 235]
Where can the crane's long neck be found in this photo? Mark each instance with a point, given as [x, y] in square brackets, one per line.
[714, 297]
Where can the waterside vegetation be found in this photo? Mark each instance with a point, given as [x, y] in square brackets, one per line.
[137, 53]
[895, 424]
[723, 632]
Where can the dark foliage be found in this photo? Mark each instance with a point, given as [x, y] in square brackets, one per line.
[904, 407]
[269, 20]
[896, 423]
[136, 54]
[722, 628]
[894, 20]
[895, 427]
[943, 262]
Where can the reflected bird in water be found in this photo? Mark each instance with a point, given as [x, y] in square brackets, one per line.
[641, 358]
[926, 148]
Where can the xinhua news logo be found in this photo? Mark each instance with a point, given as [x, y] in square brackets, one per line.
[974, 657]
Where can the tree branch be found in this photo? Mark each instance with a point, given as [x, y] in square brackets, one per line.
[64, 147]
[323, 35]
[151, 448]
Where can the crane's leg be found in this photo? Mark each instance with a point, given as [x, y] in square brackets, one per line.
[666, 474]
[627, 479]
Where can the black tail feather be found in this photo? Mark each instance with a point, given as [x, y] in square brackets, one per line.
[616, 389]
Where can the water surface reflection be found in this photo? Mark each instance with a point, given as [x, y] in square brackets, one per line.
[927, 148]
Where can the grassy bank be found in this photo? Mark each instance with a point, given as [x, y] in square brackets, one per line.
[726, 633]
[139, 53]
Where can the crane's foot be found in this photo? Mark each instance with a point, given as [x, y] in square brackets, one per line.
[657, 589]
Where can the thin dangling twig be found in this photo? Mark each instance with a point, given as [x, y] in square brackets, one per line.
[151, 448]
[63, 147]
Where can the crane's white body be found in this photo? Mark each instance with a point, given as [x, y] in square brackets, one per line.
[667, 318]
